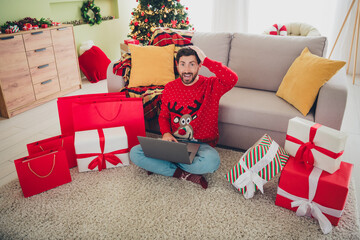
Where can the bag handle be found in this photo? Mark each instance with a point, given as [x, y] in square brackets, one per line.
[44, 176]
[109, 120]
[62, 145]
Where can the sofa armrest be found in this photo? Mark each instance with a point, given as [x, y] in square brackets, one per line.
[114, 82]
[331, 101]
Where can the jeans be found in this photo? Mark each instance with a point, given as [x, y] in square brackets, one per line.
[207, 160]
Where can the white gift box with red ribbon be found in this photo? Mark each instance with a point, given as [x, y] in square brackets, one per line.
[315, 144]
[102, 148]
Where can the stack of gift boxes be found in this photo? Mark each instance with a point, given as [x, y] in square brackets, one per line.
[314, 181]
[98, 131]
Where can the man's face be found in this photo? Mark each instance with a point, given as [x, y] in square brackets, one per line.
[188, 69]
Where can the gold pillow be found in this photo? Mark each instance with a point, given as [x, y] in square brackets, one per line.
[151, 65]
[305, 77]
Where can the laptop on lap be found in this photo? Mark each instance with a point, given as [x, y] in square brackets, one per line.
[178, 152]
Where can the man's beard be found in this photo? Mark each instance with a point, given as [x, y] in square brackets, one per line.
[188, 82]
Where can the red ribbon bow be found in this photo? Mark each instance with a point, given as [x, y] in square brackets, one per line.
[100, 159]
[304, 153]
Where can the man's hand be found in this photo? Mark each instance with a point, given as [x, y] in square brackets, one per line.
[169, 137]
[199, 52]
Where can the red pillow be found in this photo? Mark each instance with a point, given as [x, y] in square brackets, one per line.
[93, 63]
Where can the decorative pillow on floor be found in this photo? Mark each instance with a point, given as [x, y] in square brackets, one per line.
[258, 165]
[305, 77]
[151, 65]
[93, 63]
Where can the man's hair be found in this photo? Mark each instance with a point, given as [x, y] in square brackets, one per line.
[186, 51]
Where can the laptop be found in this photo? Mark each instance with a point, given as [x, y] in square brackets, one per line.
[178, 152]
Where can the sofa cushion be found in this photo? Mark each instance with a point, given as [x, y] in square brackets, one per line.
[151, 65]
[261, 61]
[305, 77]
[215, 46]
[257, 109]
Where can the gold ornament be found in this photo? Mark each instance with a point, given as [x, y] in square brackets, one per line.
[152, 29]
[132, 27]
[164, 15]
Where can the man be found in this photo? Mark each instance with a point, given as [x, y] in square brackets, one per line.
[189, 110]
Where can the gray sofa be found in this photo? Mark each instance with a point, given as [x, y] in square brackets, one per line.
[251, 108]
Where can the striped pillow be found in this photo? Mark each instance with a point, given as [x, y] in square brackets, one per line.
[253, 156]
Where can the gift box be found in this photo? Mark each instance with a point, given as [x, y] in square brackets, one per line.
[258, 165]
[131, 41]
[314, 144]
[62, 141]
[40, 172]
[101, 148]
[313, 192]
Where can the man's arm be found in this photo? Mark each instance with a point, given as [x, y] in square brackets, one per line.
[164, 120]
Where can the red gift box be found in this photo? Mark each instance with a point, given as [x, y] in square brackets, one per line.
[131, 41]
[313, 192]
[43, 171]
[54, 143]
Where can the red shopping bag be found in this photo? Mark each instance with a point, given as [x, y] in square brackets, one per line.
[42, 171]
[54, 143]
[65, 112]
[106, 113]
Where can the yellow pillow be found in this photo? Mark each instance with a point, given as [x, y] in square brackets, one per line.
[305, 77]
[151, 65]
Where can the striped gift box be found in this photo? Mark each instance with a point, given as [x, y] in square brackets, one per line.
[258, 165]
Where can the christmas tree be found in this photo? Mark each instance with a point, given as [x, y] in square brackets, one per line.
[150, 14]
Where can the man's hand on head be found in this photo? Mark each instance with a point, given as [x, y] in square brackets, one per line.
[199, 52]
[169, 137]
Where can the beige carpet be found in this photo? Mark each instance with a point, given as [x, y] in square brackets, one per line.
[126, 203]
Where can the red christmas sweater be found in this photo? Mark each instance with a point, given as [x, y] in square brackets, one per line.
[191, 112]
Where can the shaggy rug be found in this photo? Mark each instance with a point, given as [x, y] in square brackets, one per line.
[126, 203]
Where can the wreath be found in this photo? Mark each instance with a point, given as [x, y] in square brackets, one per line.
[89, 5]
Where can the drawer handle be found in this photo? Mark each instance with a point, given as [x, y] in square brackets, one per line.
[60, 29]
[40, 49]
[43, 66]
[6, 38]
[34, 33]
[45, 82]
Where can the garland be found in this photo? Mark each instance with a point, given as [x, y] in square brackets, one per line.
[89, 5]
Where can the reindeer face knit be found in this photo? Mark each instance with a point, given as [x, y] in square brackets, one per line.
[191, 112]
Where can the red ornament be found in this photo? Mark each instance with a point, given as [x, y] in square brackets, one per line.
[163, 6]
[178, 0]
[136, 23]
[193, 28]
[146, 20]
[134, 37]
[187, 8]
[182, 21]
[132, 13]
[131, 22]
[161, 21]
[148, 5]
[148, 35]
[142, 13]
[187, 22]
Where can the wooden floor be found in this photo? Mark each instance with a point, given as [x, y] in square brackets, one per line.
[43, 122]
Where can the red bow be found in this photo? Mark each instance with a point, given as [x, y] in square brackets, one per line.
[304, 153]
[100, 159]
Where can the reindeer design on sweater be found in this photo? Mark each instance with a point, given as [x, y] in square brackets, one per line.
[185, 130]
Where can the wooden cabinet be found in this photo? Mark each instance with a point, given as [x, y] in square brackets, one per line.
[36, 66]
